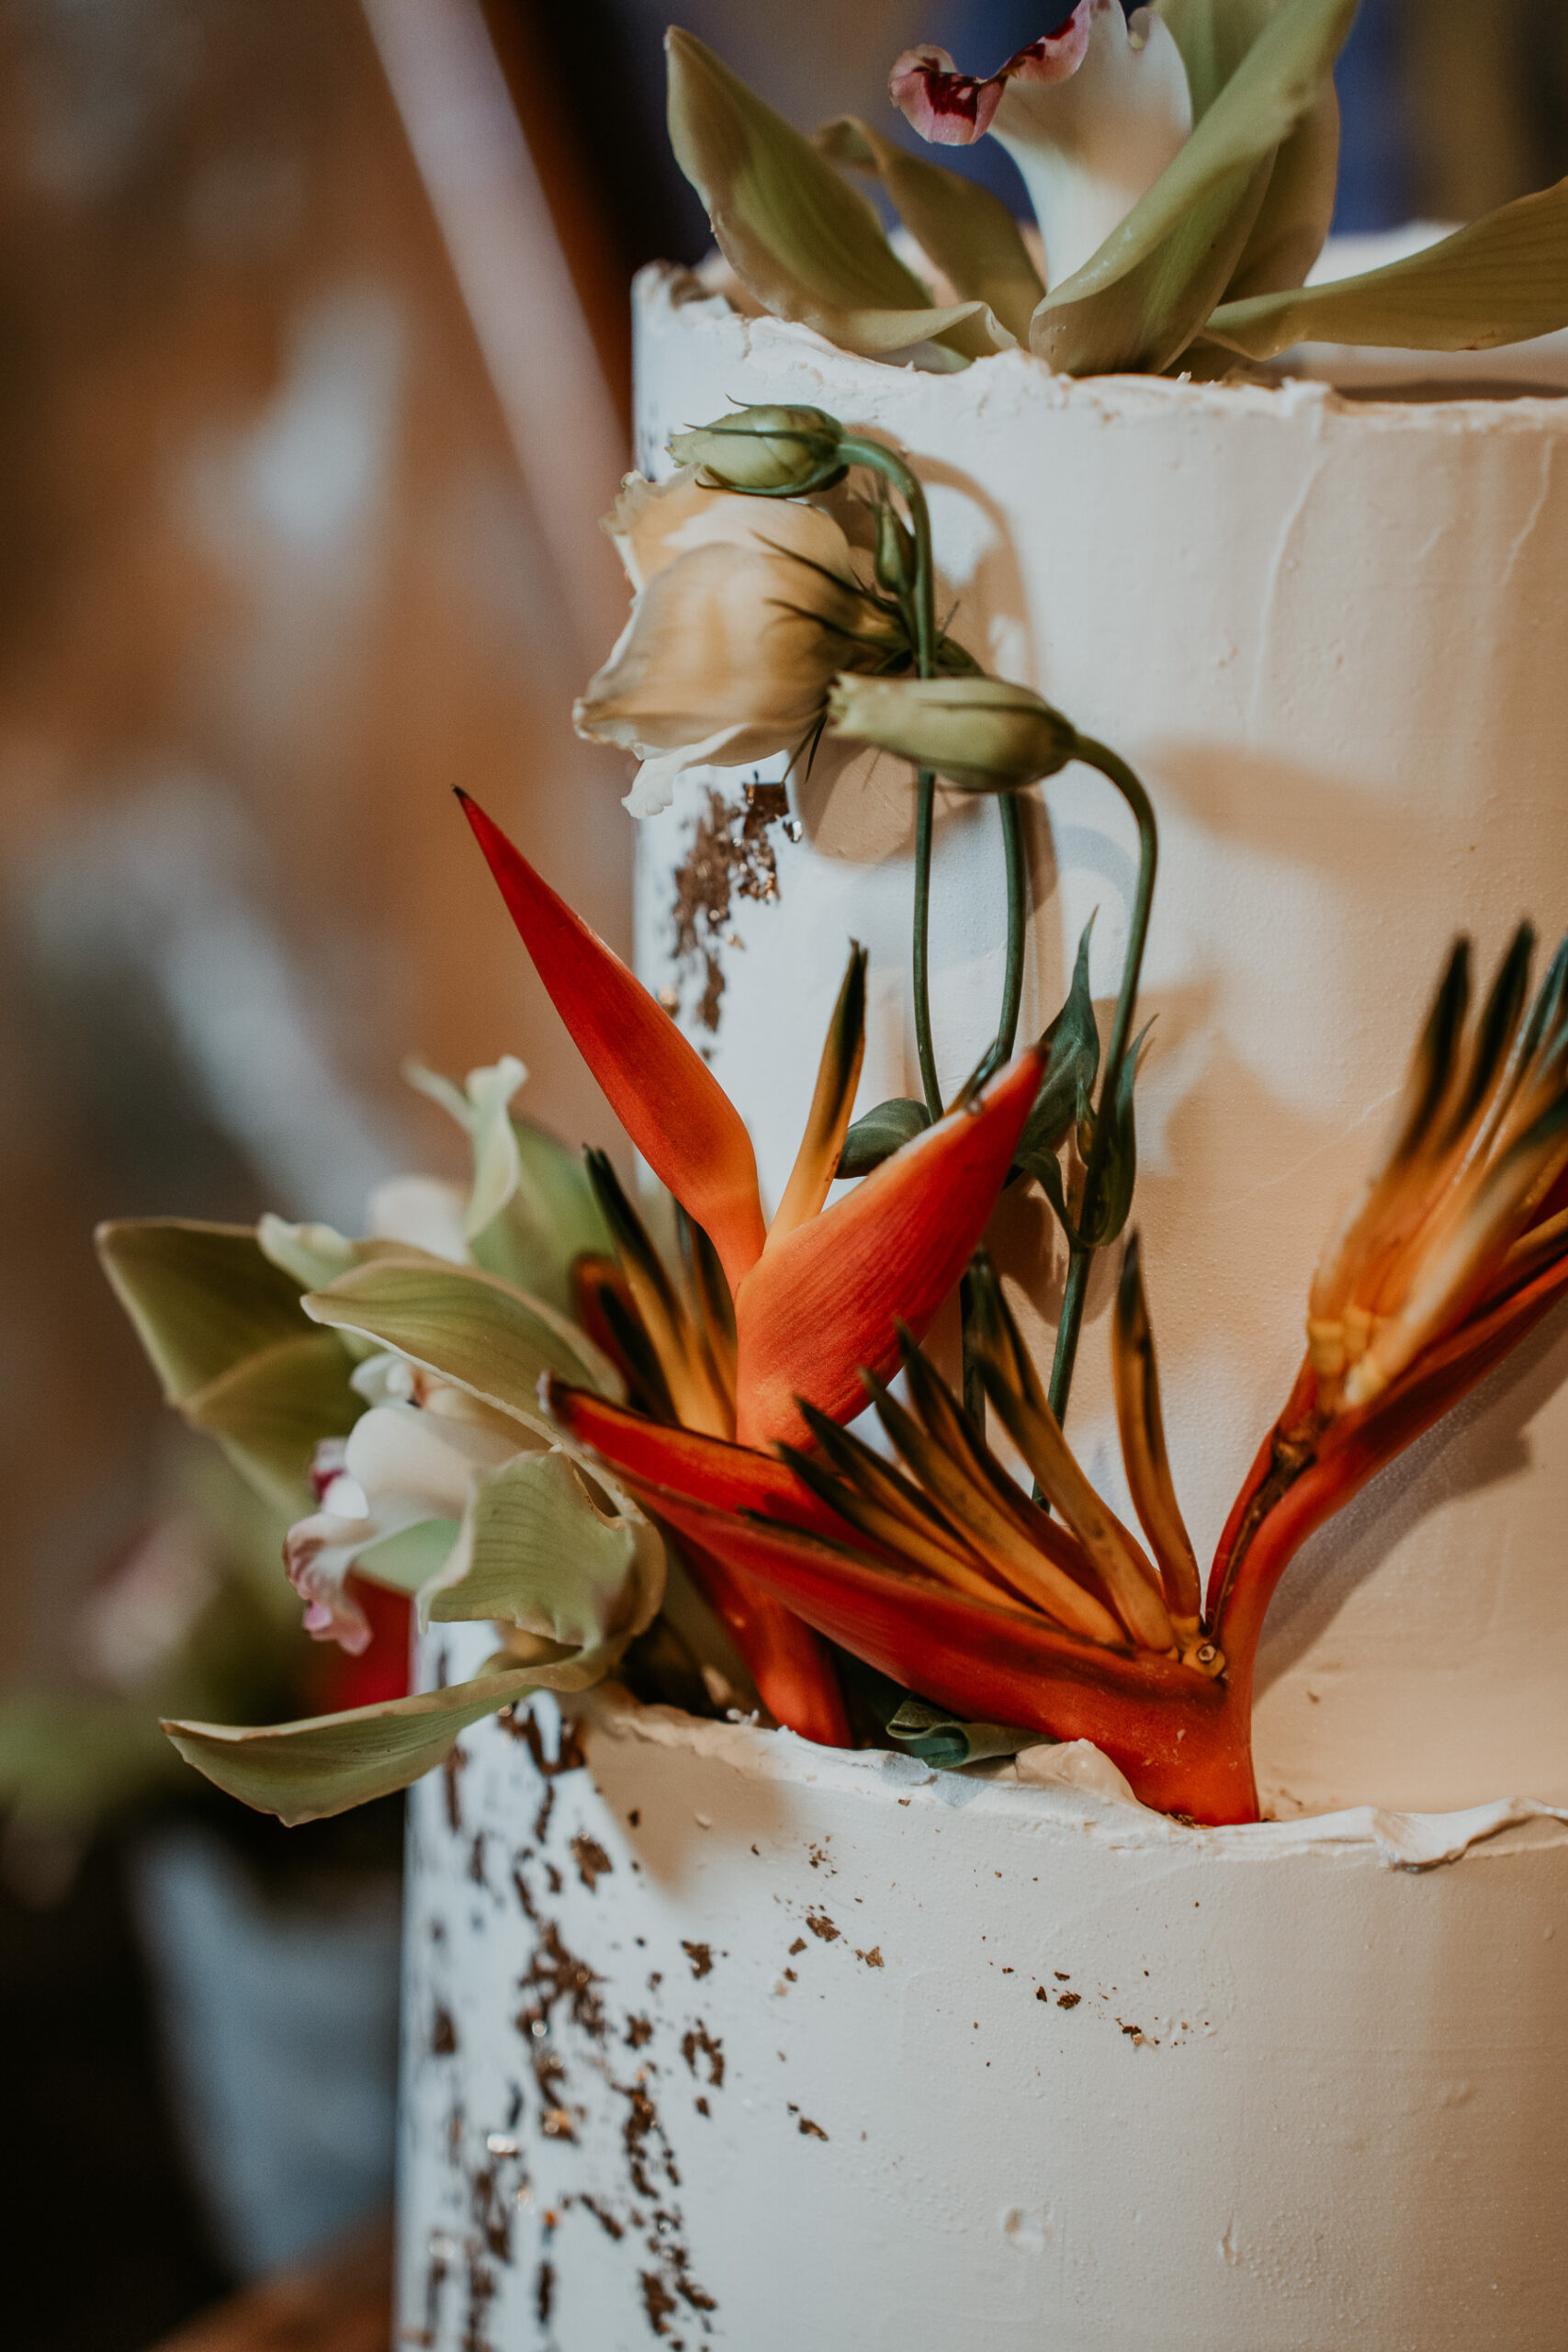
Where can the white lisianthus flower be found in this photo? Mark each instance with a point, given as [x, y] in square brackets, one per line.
[1091, 115]
[409, 1462]
[743, 612]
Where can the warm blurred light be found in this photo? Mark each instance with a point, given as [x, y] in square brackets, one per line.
[488, 199]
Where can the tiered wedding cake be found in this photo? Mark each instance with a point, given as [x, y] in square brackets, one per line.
[713, 2035]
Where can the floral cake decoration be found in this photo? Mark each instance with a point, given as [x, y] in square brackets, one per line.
[628, 1435]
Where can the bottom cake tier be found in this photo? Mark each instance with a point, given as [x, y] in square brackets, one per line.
[714, 2036]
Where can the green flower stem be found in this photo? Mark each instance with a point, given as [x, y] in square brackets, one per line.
[1080, 1253]
[925, 804]
[1018, 912]
[853, 451]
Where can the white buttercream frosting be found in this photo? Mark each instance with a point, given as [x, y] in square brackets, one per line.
[1326, 630]
[852, 2051]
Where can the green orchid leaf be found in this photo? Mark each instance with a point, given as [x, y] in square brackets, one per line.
[409, 1559]
[202, 1297]
[466, 1326]
[1142, 298]
[270, 1411]
[325, 1764]
[1297, 211]
[1503, 279]
[1214, 36]
[962, 228]
[878, 1134]
[939, 1739]
[1072, 1045]
[1119, 1169]
[1292, 224]
[807, 246]
[537, 1553]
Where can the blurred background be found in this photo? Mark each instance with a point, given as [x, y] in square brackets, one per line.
[313, 384]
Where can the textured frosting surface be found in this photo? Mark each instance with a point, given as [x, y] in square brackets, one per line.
[1328, 632]
[785, 2047]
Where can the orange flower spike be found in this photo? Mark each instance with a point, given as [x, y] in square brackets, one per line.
[821, 1304]
[664, 1093]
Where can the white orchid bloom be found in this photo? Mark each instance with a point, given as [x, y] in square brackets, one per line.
[1091, 115]
[743, 612]
[408, 1461]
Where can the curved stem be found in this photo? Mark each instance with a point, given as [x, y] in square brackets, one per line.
[1018, 913]
[925, 803]
[892, 468]
[1116, 772]
[853, 451]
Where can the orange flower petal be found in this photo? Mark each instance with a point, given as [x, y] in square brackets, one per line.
[824, 1301]
[684, 1462]
[659, 1088]
[793, 1673]
[1168, 1728]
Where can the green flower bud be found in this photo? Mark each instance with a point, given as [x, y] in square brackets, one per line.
[981, 734]
[771, 452]
[895, 555]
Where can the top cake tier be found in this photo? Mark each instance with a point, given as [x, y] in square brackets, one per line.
[1328, 632]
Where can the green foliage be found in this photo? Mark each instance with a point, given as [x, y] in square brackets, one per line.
[966, 232]
[937, 1737]
[807, 244]
[531, 1209]
[223, 1326]
[324, 1764]
[1119, 1168]
[538, 1554]
[1141, 300]
[1211, 258]
[878, 1134]
[1503, 279]
[466, 1326]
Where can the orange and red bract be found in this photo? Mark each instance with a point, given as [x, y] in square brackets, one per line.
[825, 1300]
[1183, 1742]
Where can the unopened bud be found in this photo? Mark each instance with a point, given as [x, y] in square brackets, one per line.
[895, 555]
[981, 734]
[776, 452]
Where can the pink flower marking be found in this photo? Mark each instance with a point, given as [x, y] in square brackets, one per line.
[953, 109]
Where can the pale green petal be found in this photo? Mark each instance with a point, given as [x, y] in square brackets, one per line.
[551, 1219]
[406, 1560]
[807, 246]
[224, 1327]
[313, 1254]
[1214, 36]
[270, 1411]
[497, 1169]
[1503, 279]
[466, 1326]
[962, 228]
[535, 1554]
[438, 1089]
[324, 1764]
[201, 1296]
[1146, 292]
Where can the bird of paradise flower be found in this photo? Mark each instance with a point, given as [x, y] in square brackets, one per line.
[1042, 1610]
